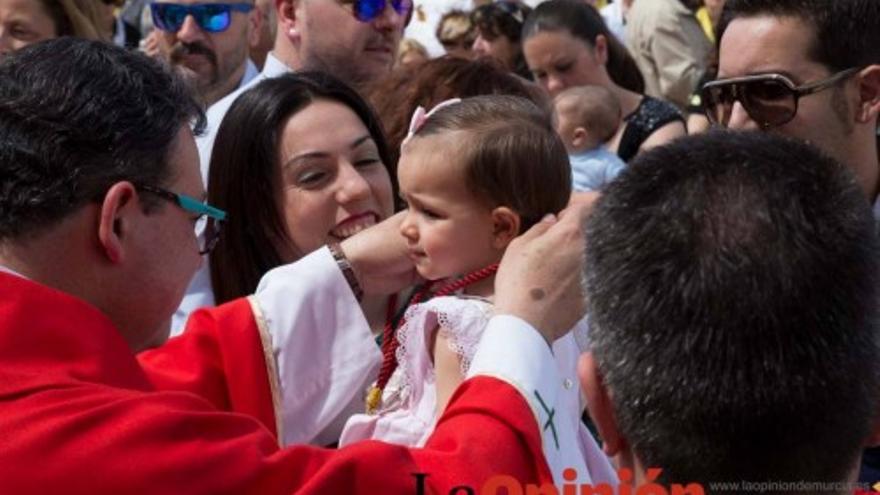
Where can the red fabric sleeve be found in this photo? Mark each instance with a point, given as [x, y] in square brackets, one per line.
[225, 367]
[107, 440]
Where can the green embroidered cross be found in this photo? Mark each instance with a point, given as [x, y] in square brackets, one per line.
[549, 423]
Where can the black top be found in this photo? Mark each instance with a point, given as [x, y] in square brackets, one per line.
[650, 115]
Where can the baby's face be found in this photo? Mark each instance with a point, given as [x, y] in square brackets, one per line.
[447, 230]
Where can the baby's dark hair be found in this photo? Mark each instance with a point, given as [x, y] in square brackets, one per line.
[514, 157]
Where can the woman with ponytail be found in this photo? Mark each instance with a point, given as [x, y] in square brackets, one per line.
[566, 44]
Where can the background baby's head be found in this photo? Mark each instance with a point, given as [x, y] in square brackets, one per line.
[586, 117]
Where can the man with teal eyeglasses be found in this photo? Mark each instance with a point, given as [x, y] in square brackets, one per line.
[102, 225]
[208, 42]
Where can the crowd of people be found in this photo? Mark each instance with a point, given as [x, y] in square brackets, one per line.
[273, 246]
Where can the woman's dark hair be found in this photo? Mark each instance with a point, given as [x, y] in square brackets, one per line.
[439, 79]
[504, 18]
[584, 22]
[244, 177]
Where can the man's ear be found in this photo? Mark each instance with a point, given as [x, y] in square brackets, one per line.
[869, 94]
[288, 18]
[116, 221]
[506, 224]
[599, 404]
[255, 20]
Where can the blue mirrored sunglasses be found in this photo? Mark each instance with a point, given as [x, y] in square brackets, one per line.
[367, 10]
[211, 17]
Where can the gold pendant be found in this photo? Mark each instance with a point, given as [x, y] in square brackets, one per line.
[374, 399]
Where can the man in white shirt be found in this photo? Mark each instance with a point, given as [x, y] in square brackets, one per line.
[325, 35]
[207, 41]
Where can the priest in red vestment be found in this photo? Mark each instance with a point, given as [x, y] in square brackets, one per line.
[101, 228]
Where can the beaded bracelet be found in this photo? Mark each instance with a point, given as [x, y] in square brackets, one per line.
[347, 270]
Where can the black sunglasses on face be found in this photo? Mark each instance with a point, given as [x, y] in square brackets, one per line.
[770, 100]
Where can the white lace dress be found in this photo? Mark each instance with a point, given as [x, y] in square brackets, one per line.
[407, 415]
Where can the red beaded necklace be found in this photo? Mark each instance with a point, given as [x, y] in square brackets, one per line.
[389, 334]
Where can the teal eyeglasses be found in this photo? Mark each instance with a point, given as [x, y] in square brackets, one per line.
[209, 223]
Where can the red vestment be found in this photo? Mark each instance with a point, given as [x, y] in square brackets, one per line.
[80, 414]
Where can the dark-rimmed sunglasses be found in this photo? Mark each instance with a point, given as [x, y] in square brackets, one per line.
[770, 100]
[210, 220]
[211, 17]
[367, 10]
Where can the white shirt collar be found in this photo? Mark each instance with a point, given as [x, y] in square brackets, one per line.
[274, 67]
[250, 72]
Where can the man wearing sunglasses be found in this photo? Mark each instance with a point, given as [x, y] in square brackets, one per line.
[355, 40]
[100, 194]
[209, 41]
[809, 69]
